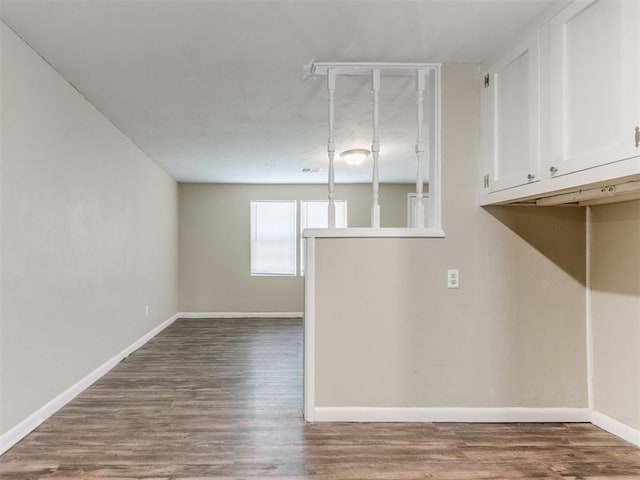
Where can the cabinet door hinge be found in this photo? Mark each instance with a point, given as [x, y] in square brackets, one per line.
[487, 80]
[637, 137]
[486, 181]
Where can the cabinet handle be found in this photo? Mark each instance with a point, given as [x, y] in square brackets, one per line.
[530, 177]
[637, 137]
[553, 171]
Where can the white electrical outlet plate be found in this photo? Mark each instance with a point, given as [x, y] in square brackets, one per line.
[453, 278]
[146, 310]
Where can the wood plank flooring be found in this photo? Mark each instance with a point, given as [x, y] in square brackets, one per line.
[222, 399]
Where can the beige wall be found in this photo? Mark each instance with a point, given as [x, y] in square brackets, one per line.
[214, 242]
[615, 279]
[389, 332]
[89, 236]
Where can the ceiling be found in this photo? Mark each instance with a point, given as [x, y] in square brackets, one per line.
[213, 91]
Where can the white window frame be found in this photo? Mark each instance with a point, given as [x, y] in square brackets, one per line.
[253, 239]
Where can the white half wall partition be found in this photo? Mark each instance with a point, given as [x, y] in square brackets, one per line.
[385, 339]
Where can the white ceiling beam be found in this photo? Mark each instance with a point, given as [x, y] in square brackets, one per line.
[365, 68]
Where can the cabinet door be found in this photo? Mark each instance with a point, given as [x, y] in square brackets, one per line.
[512, 118]
[594, 83]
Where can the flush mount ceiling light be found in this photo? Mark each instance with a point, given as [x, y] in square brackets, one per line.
[355, 156]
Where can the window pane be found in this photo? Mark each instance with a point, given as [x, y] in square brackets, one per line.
[411, 209]
[315, 214]
[273, 238]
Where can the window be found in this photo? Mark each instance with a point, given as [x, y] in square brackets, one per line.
[273, 238]
[315, 214]
[273, 232]
[412, 200]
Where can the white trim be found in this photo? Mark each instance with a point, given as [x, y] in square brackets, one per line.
[357, 232]
[22, 429]
[435, 167]
[365, 68]
[219, 315]
[616, 427]
[621, 171]
[588, 312]
[309, 355]
[455, 414]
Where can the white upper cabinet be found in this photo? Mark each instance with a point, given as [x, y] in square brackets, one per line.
[594, 85]
[511, 109]
[562, 114]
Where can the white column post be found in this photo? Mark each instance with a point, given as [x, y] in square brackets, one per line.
[375, 149]
[419, 208]
[331, 148]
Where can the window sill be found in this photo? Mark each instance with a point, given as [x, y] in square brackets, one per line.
[373, 233]
[285, 275]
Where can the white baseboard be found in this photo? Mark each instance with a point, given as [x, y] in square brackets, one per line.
[240, 315]
[336, 414]
[616, 427]
[490, 415]
[22, 429]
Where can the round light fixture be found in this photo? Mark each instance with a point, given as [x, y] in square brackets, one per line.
[355, 157]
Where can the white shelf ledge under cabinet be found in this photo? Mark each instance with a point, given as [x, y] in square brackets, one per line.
[613, 174]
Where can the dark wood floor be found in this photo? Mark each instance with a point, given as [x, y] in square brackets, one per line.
[222, 398]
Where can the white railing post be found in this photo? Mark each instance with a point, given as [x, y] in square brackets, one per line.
[419, 207]
[375, 149]
[331, 148]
